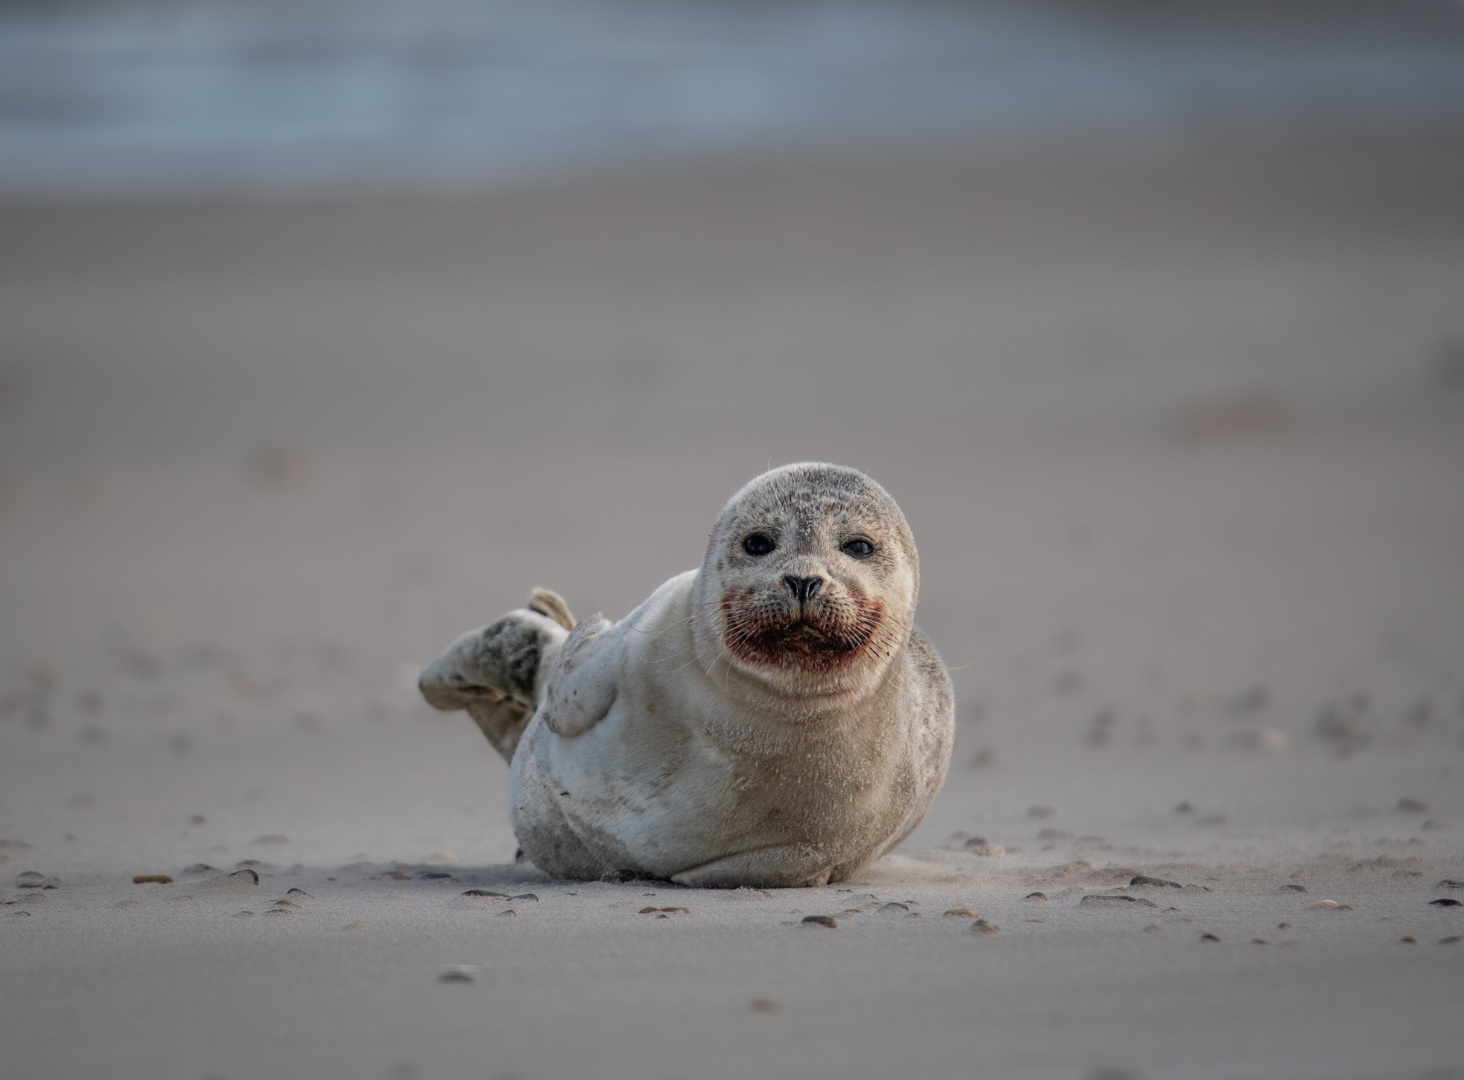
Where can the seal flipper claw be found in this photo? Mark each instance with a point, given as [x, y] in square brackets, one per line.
[550, 603]
[496, 673]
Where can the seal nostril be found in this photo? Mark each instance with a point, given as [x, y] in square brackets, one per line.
[803, 588]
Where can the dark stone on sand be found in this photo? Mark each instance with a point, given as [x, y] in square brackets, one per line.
[1114, 900]
[434, 874]
[487, 892]
[242, 914]
[1295, 888]
[981, 926]
[455, 977]
[1452, 939]
[153, 879]
[245, 875]
[1035, 896]
[1447, 901]
[1208, 937]
[300, 893]
[508, 911]
[821, 920]
[894, 906]
[1155, 882]
[526, 896]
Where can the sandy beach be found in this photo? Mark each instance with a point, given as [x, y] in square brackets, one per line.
[1180, 433]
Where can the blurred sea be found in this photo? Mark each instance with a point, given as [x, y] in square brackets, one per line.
[208, 97]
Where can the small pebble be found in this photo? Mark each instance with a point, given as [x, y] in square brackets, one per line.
[242, 914]
[463, 973]
[1452, 939]
[508, 911]
[667, 910]
[963, 912]
[1325, 904]
[979, 845]
[487, 892]
[981, 926]
[764, 1005]
[1208, 937]
[144, 879]
[1155, 882]
[245, 877]
[435, 874]
[300, 893]
[1152, 928]
[1035, 896]
[1259, 941]
[1294, 888]
[1283, 926]
[1408, 941]
[1450, 883]
[1110, 899]
[286, 903]
[821, 920]
[526, 896]
[893, 906]
[1446, 901]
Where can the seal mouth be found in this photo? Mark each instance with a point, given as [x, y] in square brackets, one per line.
[832, 634]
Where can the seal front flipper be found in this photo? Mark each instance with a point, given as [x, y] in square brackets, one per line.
[584, 678]
[497, 673]
[791, 866]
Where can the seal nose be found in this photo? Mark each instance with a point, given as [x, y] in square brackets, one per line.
[803, 588]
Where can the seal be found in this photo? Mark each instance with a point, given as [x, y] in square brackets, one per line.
[773, 718]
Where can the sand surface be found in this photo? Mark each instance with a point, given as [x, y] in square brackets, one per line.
[1180, 440]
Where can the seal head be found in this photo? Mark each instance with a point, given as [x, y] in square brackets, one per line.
[809, 582]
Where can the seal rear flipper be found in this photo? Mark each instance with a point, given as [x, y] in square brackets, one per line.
[497, 672]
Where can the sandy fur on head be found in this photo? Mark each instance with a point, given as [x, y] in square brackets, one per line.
[738, 728]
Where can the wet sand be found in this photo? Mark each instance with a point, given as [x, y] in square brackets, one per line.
[1179, 436]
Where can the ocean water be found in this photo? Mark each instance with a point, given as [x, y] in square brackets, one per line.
[219, 96]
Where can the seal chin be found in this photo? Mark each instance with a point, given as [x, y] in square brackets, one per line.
[810, 638]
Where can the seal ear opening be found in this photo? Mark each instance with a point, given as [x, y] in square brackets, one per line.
[552, 606]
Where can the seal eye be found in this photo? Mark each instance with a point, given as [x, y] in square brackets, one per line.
[858, 549]
[758, 544]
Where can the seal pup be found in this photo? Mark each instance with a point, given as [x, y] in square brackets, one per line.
[774, 718]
